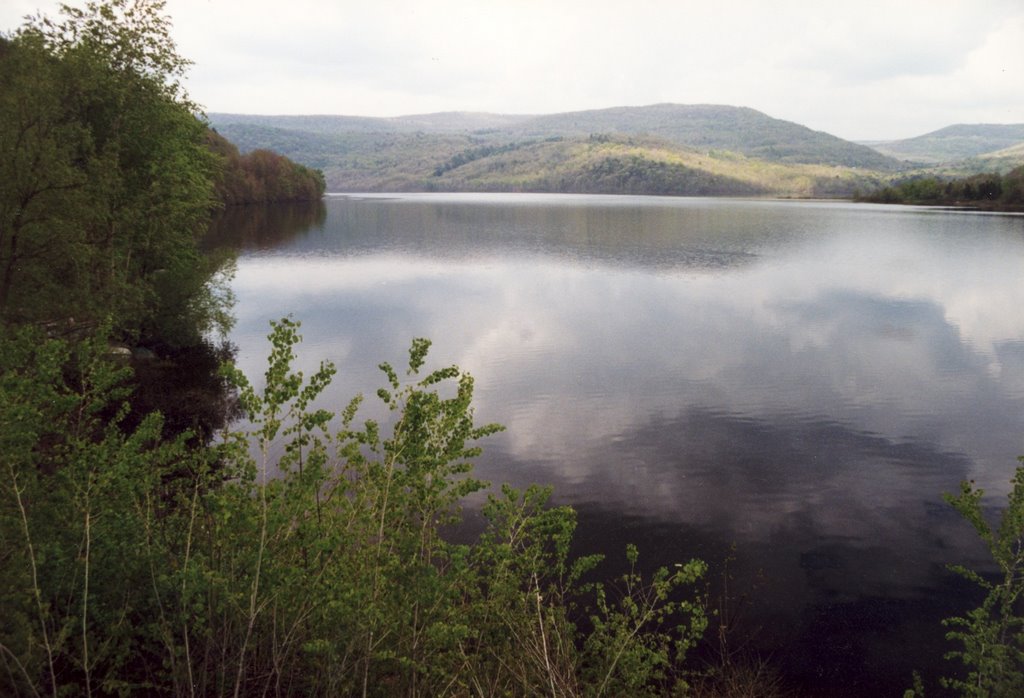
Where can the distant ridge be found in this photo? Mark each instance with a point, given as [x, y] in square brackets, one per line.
[737, 129]
[954, 143]
[669, 149]
[708, 126]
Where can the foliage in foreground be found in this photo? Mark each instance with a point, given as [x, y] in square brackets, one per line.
[310, 564]
[992, 635]
[990, 638]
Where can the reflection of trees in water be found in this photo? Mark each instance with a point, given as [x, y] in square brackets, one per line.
[184, 384]
[262, 226]
[179, 376]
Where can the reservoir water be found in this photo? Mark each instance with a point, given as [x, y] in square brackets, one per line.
[788, 385]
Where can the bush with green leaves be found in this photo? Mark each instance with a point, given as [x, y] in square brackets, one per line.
[990, 636]
[86, 507]
[302, 554]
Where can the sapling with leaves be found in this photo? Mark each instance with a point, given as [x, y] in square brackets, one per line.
[80, 497]
[992, 635]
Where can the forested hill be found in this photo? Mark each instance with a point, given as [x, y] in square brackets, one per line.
[709, 126]
[956, 143]
[260, 176]
[705, 126]
[686, 150]
[660, 149]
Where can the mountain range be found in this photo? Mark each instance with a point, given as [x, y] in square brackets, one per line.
[658, 149]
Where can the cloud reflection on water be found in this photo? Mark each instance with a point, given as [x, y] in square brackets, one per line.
[866, 317]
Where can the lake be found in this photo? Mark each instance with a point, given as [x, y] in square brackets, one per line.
[789, 385]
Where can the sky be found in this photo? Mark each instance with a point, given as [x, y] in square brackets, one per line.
[859, 69]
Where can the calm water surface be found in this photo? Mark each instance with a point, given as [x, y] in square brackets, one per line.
[799, 381]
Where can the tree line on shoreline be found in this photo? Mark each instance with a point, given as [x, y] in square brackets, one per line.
[261, 176]
[989, 191]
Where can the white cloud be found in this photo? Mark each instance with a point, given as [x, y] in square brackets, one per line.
[859, 70]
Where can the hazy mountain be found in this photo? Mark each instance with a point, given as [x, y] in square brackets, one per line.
[709, 126]
[954, 143]
[659, 149]
[1005, 158]
[704, 126]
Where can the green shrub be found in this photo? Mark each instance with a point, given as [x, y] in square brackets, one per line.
[295, 557]
[991, 636]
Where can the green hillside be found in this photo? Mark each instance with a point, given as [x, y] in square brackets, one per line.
[661, 149]
[1002, 160]
[708, 126]
[623, 165]
[955, 143]
[594, 164]
[703, 126]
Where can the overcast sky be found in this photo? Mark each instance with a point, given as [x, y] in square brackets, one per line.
[859, 69]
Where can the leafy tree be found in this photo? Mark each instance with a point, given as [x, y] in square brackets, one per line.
[44, 198]
[1013, 186]
[262, 176]
[105, 180]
